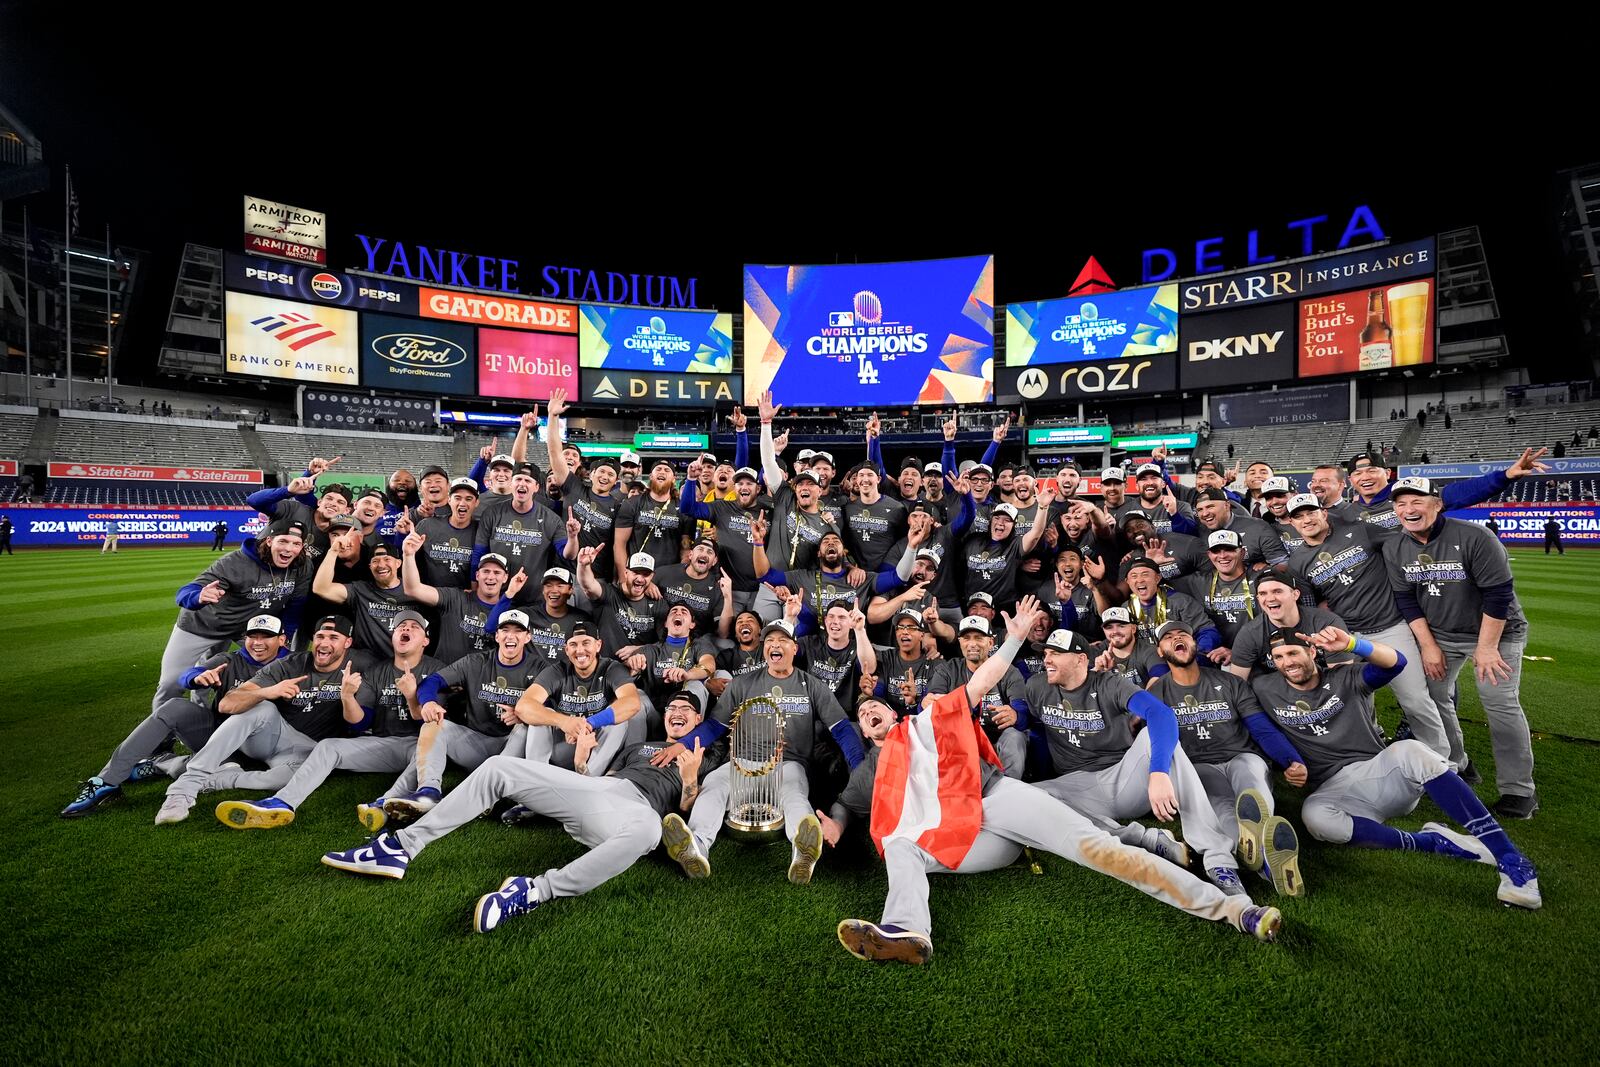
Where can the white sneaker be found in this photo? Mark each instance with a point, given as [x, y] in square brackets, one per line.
[174, 809]
[1465, 842]
[1162, 843]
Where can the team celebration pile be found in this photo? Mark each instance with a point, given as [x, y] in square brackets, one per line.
[966, 660]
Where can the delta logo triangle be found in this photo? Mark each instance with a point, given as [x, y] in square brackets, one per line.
[605, 390]
[1092, 279]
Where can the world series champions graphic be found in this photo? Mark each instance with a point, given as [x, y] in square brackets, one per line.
[889, 333]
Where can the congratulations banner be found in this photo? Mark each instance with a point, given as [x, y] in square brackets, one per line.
[1132, 322]
[654, 339]
[39, 526]
[1524, 523]
[871, 334]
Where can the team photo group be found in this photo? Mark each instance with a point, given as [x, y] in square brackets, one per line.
[958, 658]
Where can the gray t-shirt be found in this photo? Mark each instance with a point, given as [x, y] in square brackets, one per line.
[1087, 728]
[871, 530]
[318, 710]
[462, 618]
[662, 654]
[446, 559]
[655, 527]
[953, 674]
[1229, 604]
[597, 515]
[793, 539]
[625, 622]
[1159, 516]
[548, 634]
[838, 668]
[373, 611]
[1257, 539]
[1211, 714]
[1348, 572]
[1252, 647]
[1448, 575]
[1332, 725]
[734, 550]
[702, 595]
[1135, 667]
[572, 694]
[892, 670]
[803, 699]
[661, 787]
[526, 540]
[251, 588]
[488, 683]
[379, 693]
[1179, 606]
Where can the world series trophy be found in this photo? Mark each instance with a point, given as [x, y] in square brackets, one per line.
[755, 811]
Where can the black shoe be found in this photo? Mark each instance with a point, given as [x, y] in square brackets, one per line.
[1470, 775]
[1402, 731]
[1511, 806]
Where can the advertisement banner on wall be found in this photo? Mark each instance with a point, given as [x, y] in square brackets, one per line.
[418, 356]
[1282, 407]
[507, 311]
[341, 410]
[39, 526]
[1524, 523]
[1252, 344]
[1045, 436]
[1566, 467]
[273, 338]
[654, 339]
[315, 285]
[1119, 325]
[8, 468]
[1309, 277]
[126, 472]
[624, 387]
[1140, 376]
[526, 366]
[1368, 329]
[285, 232]
[868, 334]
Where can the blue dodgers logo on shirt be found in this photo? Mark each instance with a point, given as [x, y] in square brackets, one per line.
[1194, 712]
[1064, 716]
[1303, 716]
[1341, 566]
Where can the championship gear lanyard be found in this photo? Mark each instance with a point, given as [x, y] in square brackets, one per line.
[655, 530]
[1156, 616]
[1249, 597]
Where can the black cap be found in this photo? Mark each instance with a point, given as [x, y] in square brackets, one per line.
[1372, 458]
[382, 548]
[371, 490]
[1211, 465]
[526, 468]
[926, 508]
[604, 461]
[337, 489]
[1285, 635]
[288, 526]
[431, 470]
[1134, 563]
[911, 461]
[336, 622]
[1211, 492]
[583, 628]
[688, 696]
[1281, 577]
[1069, 464]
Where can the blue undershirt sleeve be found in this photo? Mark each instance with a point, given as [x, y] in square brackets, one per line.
[1271, 739]
[1162, 722]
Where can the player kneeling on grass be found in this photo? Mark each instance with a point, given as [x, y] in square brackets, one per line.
[1358, 782]
[941, 761]
[803, 698]
[618, 816]
[1218, 715]
[137, 760]
[383, 701]
[277, 717]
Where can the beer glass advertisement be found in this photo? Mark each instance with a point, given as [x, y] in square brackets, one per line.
[275, 338]
[413, 355]
[655, 339]
[871, 334]
[1132, 322]
[1369, 329]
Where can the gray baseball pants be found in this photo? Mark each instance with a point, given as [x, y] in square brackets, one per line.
[259, 733]
[350, 754]
[192, 723]
[1508, 726]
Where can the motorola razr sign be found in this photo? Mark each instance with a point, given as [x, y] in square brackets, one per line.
[416, 355]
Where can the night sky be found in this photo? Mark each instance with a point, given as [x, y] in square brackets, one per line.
[696, 175]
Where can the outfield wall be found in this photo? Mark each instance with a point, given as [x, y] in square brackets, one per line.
[59, 525]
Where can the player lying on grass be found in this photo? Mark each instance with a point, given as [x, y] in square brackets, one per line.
[382, 701]
[1358, 783]
[985, 819]
[618, 816]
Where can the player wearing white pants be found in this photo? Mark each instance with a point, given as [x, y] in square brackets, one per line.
[1509, 738]
[1012, 815]
[618, 816]
[1357, 781]
[259, 733]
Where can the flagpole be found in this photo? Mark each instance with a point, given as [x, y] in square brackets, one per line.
[108, 315]
[66, 256]
[27, 310]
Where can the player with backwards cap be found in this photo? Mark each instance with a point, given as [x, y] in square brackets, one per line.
[1357, 783]
[984, 820]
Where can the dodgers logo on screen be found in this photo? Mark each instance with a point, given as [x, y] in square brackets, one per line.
[1087, 327]
[653, 340]
[860, 334]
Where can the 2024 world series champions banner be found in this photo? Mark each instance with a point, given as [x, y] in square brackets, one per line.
[871, 334]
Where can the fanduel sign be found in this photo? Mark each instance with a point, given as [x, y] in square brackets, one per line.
[444, 266]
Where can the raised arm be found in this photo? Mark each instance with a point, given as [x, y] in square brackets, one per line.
[553, 436]
[991, 670]
[410, 577]
[323, 584]
[519, 446]
[769, 455]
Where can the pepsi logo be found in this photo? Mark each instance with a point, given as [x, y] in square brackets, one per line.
[326, 286]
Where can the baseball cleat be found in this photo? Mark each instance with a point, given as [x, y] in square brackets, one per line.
[1519, 884]
[174, 809]
[516, 896]
[1470, 774]
[1512, 806]
[372, 816]
[1472, 848]
[869, 941]
[1250, 808]
[383, 856]
[807, 850]
[517, 814]
[1159, 842]
[682, 848]
[403, 811]
[267, 814]
[1261, 922]
[1283, 856]
[1227, 880]
[145, 770]
[92, 795]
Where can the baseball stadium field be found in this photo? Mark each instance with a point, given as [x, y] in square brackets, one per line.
[131, 943]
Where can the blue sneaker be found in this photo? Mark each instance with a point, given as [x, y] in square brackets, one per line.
[403, 811]
[1227, 880]
[516, 896]
[144, 771]
[372, 816]
[1261, 922]
[1519, 884]
[91, 796]
[871, 941]
[383, 856]
[267, 814]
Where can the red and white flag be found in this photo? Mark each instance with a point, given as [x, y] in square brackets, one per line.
[929, 788]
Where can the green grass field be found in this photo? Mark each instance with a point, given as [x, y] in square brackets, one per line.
[128, 943]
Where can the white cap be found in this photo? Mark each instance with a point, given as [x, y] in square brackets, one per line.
[630, 457]
[1276, 484]
[1112, 474]
[1414, 485]
[516, 618]
[1147, 468]
[1115, 615]
[974, 624]
[266, 624]
[1225, 538]
[805, 454]
[933, 468]
[1302, 500]
[641, 561]
[502, 460]
[826, 457]
[560, 573]
[1004, 509]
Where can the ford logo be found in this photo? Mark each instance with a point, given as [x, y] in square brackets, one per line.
[419, 350]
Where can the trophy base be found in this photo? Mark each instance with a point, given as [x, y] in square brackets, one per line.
[755, 823]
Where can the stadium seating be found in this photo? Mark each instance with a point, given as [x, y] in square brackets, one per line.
[15, 433]
[290, 448]
[1301, 446]
[166, 494]
[1487, 435]
[159, 442]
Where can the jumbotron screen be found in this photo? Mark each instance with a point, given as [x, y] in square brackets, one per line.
[871, 334]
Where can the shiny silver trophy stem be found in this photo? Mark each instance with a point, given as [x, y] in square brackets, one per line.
[755, 811]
